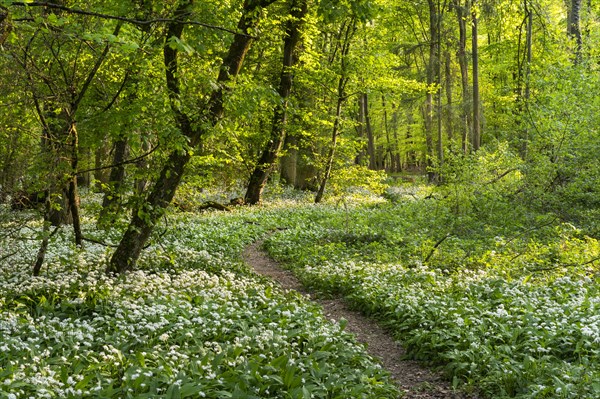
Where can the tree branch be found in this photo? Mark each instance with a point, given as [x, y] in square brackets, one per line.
[94, 70]
[499, 177]
[132, 160]
[119, 18]
[118, 93]
[437, 244]
[545, 269]
[94, 241]
[10, 255]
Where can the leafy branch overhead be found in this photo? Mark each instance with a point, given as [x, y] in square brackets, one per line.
[71, 10]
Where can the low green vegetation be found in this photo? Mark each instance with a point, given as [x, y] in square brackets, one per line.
[486, 277]
[500, 296]
[191, 322]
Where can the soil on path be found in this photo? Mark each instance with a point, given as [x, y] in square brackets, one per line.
[416, 381]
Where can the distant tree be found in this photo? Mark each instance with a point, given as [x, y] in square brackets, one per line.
[574, 28]
[476, 140]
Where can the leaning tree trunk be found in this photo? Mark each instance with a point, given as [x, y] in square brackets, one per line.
[270, 153]
[150, 211]
[334, 136]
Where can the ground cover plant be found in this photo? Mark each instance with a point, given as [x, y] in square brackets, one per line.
[191, 322]
[503, 301]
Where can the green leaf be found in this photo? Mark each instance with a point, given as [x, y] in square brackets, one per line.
[190, 389]
[177, 44]
[173, 392]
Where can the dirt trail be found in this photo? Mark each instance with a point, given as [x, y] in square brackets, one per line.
[411, 377]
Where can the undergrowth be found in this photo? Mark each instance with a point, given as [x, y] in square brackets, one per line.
[506, 301]
[192, 321]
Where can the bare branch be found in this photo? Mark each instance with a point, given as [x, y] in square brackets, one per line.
[10, 255]
[94, 241]
[559, 265]
[499, 177]
[129, 161]
[437, 244]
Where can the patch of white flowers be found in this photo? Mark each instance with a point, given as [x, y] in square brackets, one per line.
[523, 337]
[183, 324]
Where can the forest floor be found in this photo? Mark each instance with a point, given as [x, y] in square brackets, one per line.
[412, 378]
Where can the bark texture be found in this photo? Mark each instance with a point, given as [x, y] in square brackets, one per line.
[432, 79]
[574, 28]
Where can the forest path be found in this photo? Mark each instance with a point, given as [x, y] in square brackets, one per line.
[416, 381]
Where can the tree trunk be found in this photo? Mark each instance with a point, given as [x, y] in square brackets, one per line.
[111, 201]
[574, 28]
[145, 217]
[527, 92]
[289, 161]
[428, 120]
[41, 255]
[73, 190]
[464, 75]
[5, 24]
[476, 101]
[306, 171]
[142, 166]
[364, 104]
[360, 130]
[334, 135]
[440, 137]
[60, 213]
[388, 150]
[148, 213]
[396, 147]
[101, 176]
[411, 156]
[432, 79]
[449, 113]
[270, 153]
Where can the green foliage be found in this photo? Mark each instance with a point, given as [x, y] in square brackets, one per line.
[482, 185]
[506, 242]
[563, 170]
[356, 178]
[504, 303]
